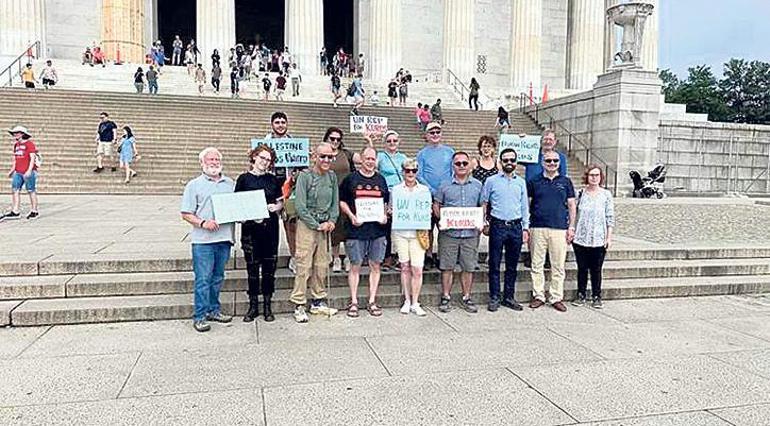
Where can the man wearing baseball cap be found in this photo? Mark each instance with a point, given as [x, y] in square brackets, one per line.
[23, 172]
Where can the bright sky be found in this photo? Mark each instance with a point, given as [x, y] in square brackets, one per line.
[695, 32]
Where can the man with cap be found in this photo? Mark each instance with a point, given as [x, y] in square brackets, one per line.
[23, 172]
[434, 165]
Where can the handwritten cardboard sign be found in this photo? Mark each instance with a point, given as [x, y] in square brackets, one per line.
[461, 218]
[411, 209]
[239, 206]
[289, 152]
[370, 209]
[368, 123]
[527, 147]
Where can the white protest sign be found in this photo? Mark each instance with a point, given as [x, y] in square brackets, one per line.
[368, 124]
[370, 210]
[527, 147]
[461, 218]
[239, 206]
[411, 209]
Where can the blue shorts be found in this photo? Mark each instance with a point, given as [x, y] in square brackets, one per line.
[18, 180]
[358, 250]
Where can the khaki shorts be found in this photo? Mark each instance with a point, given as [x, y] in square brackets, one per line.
[452, 251]
[104, 148]
[409, 250]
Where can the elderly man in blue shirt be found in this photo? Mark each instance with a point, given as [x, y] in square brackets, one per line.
[548, 144]
[434, 165]
[458, 246]
[506, 205]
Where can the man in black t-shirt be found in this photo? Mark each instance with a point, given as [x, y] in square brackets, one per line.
[366, 235]
[280, 86]
[105, 139]
[266, 85]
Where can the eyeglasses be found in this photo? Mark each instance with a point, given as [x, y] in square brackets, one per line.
[594, 175]
[551, 160]
[410, 170]
[392, 141]
[333, 139]
[461, 163]
[326, 157]
[508, 160]
[435, 132]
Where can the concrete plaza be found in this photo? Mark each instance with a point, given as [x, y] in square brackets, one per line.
[688, 361]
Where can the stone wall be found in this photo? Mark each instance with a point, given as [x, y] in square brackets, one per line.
[72, 25]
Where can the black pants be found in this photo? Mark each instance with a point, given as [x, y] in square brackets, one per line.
[589, 259]
[475, 101]
[215, 83]
[254, 265]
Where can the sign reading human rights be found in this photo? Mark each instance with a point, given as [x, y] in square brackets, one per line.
[368, 124]
[411, 209]
[289, 152]
[461, 218]
[239, 206]
[527, 147]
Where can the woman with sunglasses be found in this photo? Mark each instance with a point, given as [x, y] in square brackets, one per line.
[259, 239]
[410, 251]
[593, 234]
[485, 165]
[389, 164]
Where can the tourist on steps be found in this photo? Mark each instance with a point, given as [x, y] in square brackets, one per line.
[176, 51]
[259, 239]
[127, 152]
[502, 122]
[593, 234]
[200, 78]
[211, 242]
[28, 77]
[105, 139]
[473, 96]
[49, 75]
[139, 80]
[23, 173]
[552, 228]
[317, 204]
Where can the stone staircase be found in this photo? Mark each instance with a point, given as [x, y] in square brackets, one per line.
[150, 287]
[171, 130]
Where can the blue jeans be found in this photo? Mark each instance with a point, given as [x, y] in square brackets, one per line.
[18, 181]
[153, 86]
[508, 236]
[209, 262]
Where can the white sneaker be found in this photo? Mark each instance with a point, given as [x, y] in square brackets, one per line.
[299, 314]
[321, 308]
[405, 308]
[417, 309]
[292, 266]
[337, 265]
[347, 265]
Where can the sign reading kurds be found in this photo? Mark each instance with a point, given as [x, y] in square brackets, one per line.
[527, 147]
[411, 209]
[461, 218]
[368, 124]
[289, 152]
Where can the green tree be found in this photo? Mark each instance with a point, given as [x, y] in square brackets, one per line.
[701, 94]
[671, 85]
[745, 88]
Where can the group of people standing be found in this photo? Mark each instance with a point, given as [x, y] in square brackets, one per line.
[318, 207]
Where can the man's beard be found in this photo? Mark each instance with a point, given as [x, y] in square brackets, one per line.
[508, 168]
[212, 170]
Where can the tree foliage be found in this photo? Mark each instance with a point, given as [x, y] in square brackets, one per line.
[741, 96]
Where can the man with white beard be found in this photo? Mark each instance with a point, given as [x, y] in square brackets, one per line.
[211, 242]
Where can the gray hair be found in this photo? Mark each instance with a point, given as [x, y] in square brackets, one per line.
[208, 151]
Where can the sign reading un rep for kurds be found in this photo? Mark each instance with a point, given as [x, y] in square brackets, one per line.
[289, 152]
[368, 124]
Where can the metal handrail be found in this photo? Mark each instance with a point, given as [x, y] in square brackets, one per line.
[574, 143]
[27, 53]
[460, 88]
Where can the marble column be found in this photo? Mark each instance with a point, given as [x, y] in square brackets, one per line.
[385, 54]
[214, 29]
[650, 38]
[459, 53]
[22, 22]
[123, 30]
[304, 32]
[586, 43]
[526, 41]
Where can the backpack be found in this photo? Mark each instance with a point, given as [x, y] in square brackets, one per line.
[352, 90]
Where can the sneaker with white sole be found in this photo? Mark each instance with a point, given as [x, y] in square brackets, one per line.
[418, 310]
[337, 265]
[319, 307]
[292, 265]
[347, 264]
[405, 308]
[299, 314]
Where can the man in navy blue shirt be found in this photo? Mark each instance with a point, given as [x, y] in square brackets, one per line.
[552, 227]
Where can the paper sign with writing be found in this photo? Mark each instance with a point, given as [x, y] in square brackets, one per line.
[411, 209]
[370, 209]
[527, 147]
[368, 123]
[461, 218]
[239, 206]
[289, 152]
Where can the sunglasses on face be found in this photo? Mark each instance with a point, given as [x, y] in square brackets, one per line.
[551, 161]
[509, 160]
[326, 157]
[334, 139]
[435, 132]
[410, 170]
[392, 141]
[461, 163]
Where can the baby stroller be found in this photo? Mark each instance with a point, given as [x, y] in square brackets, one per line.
[651, 185]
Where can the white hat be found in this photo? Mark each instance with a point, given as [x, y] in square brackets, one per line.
[19, 129]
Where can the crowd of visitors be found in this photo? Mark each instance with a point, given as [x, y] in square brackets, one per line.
[319, 206]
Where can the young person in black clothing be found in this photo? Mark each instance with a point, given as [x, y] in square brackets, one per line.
[259, 239]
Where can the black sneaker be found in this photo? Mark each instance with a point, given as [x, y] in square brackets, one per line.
[512, 304]
[597, 303]
[444, 306]
[33, 215]
[580, 300]
[98, 170]
[10, 215]
[469, 306]
[493, 305]
[113, 168]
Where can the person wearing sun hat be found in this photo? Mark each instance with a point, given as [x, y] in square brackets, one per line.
[23, 172]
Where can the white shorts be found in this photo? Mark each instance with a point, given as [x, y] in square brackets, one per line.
[409, 250]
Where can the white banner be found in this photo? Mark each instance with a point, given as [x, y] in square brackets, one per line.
[461, 218]
[370, 210]
[368, 124]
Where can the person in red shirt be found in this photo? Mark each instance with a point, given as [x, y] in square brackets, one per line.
[23, 172]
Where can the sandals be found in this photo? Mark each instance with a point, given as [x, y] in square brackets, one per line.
[374, 310]
[353, 310]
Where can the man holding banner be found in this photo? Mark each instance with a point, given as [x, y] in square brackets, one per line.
[458, 240]
[535, 168]
[363, 196]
